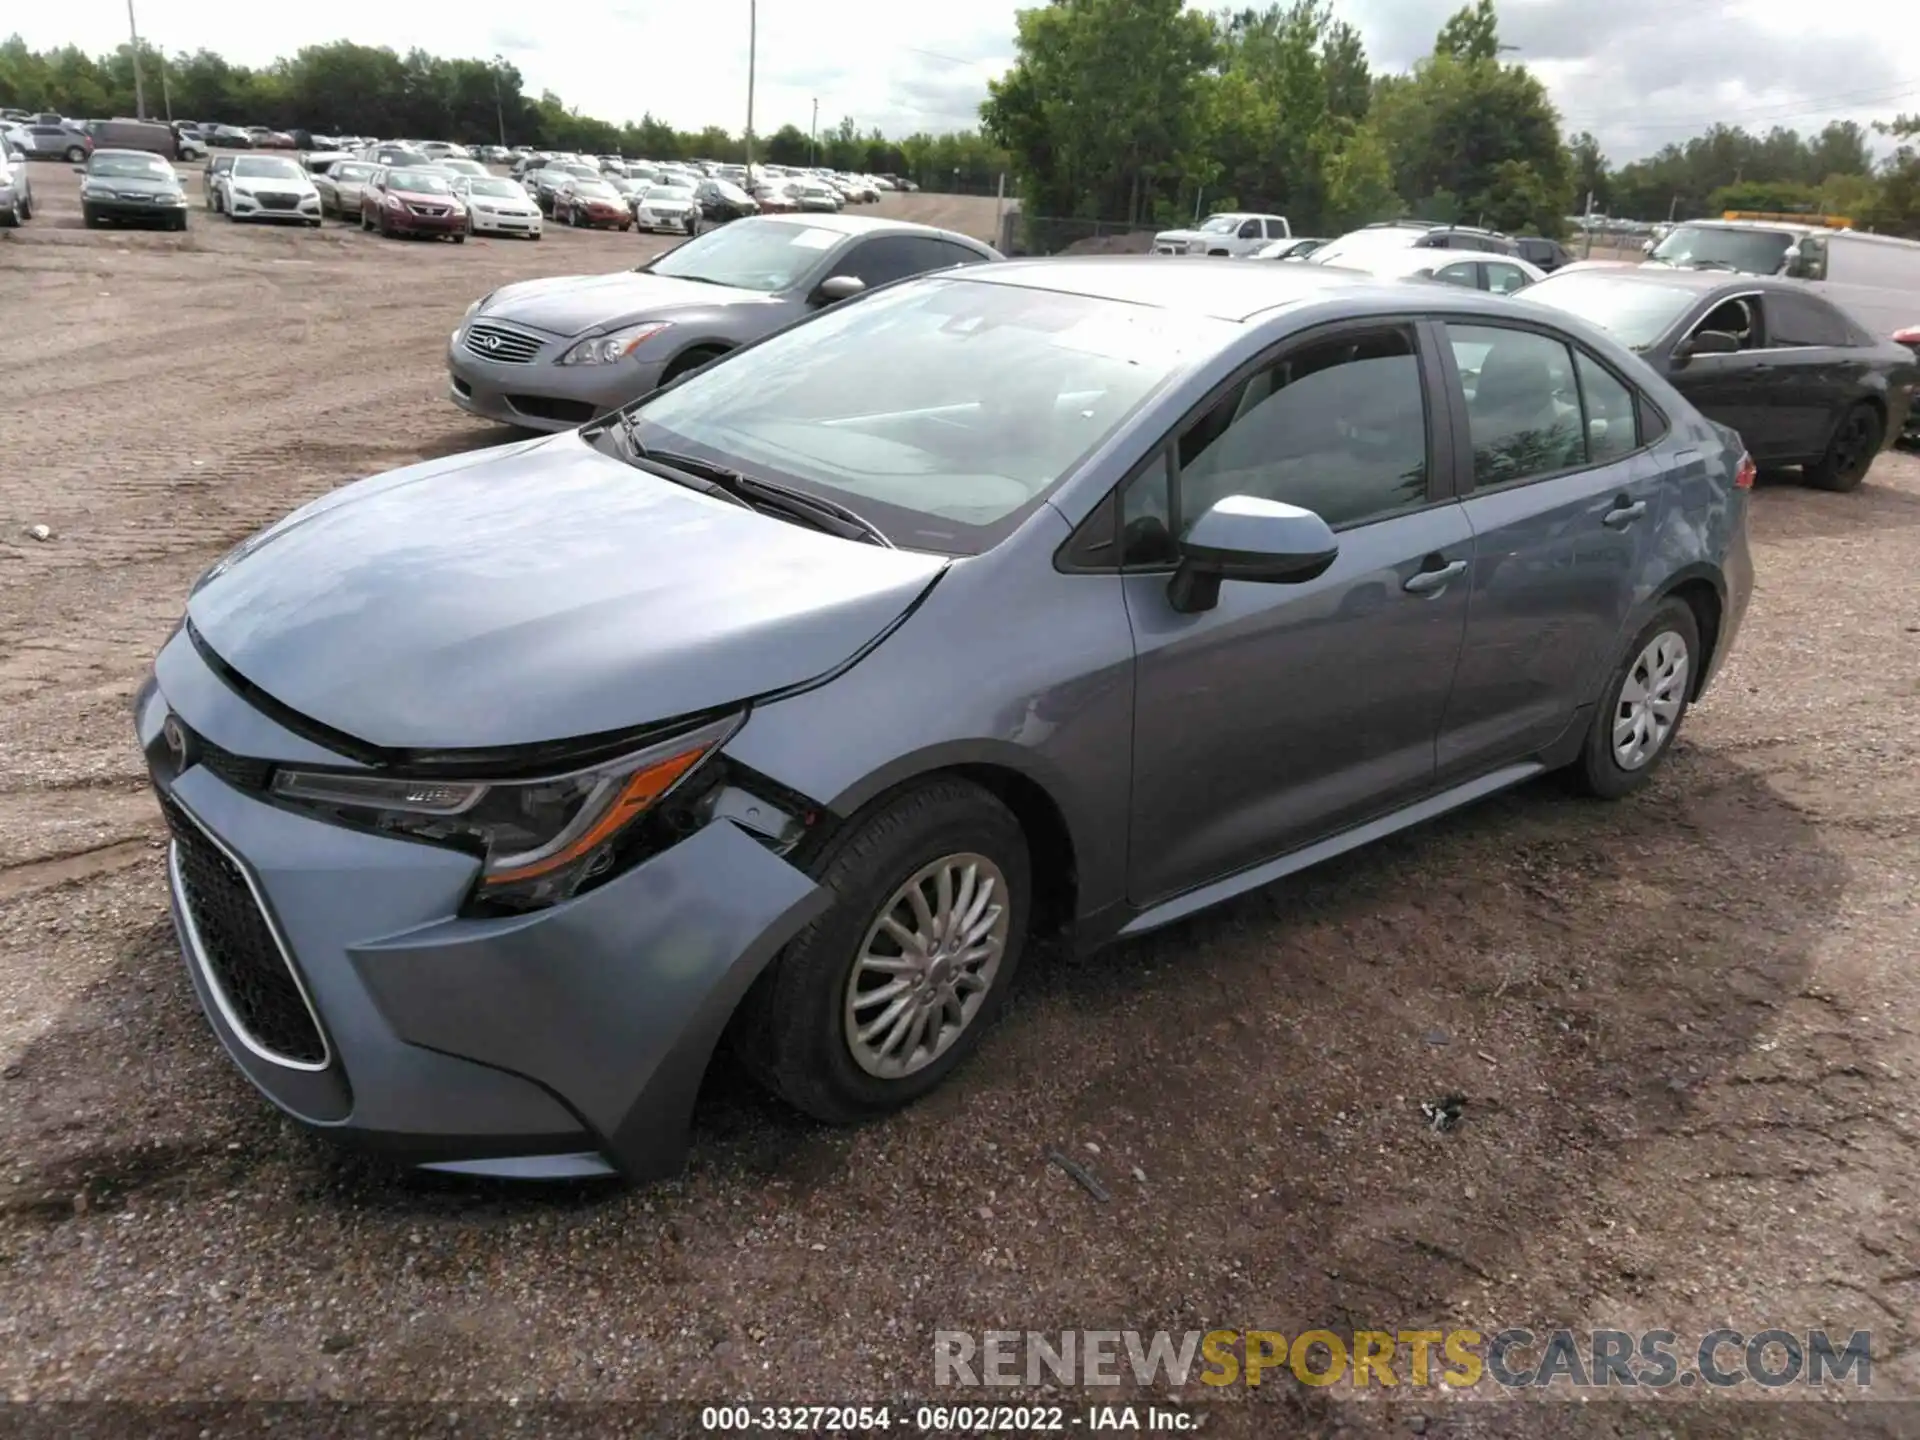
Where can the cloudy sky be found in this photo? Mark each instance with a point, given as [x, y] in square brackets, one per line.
[1635, 72]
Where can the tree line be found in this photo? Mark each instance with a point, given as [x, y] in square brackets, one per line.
[370, 90]
[1147, 112]
[1134, 112]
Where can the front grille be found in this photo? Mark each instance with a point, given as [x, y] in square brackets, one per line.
[497, 342]
[234, 944]
[435, 210]
[237, 770]
[273, 200]
[552, 407]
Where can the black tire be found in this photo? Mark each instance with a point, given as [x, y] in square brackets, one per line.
[88, 219]
[26, 209]
[76, 155]
[1598, 772]
[459, 239]
[180, 222]
[1850, 452]
[316, 224]
[791, 1031]
[12, 217]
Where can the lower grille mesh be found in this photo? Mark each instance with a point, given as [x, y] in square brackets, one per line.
[238, 947]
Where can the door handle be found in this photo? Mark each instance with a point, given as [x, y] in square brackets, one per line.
[1426, 582]
[1622, 516]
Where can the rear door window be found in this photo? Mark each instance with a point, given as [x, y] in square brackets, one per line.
[1523, 403]
[1803, 320]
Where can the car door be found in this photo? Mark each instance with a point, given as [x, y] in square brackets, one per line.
[1563, 503]
[1731, 388]
[1810, 372]
[1290, 711]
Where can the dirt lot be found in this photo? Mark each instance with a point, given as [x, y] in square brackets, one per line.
[1682, 1024]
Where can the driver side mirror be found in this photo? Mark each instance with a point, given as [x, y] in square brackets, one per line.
[1706, 342]
[836, 288]
[1246, 538]
[79, 169]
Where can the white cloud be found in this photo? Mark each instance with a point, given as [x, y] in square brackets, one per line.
[1636, 72]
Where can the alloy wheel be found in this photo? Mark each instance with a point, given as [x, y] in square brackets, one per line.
[926, 965]
[1651, 698]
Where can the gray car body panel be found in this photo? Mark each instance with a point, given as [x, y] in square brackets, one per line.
[428, 614]
[1186, 757]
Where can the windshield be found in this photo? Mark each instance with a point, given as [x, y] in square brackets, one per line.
[751, 254]
[579, 172]
[420, 182]
[1637, 311]
[595, 190]
[1755, 252]
[1220, 224]
[939, 409]
[131, 167]
[266, 168]
[352, 172]
[463, 167]
[492, 185]
[669, 192]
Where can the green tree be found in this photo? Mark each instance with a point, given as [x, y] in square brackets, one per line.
[1589, 173]
[1102, 103]
[1480, 132]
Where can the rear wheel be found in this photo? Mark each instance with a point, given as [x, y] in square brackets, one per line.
[875, 1003]
[1850, 453]
[1645, 700]
[76, 155]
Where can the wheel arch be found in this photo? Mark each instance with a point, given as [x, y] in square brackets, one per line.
[1011, 779]
[1704, 592]
[683, 360]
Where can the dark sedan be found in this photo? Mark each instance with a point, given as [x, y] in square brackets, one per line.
[131, 187]
[720, 201]
[1803, 382]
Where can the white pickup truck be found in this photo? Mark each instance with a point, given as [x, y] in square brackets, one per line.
[1235, 233]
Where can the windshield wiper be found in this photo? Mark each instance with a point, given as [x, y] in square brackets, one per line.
[822, 514]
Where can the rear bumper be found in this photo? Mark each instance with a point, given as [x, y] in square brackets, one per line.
[565, 1042]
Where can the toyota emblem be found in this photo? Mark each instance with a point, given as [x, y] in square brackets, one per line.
[489, 342]
[179, 743]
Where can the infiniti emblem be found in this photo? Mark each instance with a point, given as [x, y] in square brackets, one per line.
[178, 744]
[490, 342]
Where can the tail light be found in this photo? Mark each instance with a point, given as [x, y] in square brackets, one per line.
[1745, 473]
[1909, 336]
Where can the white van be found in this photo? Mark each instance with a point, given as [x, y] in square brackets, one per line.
[1876, 278]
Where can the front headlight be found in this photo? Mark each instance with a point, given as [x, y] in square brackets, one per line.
[606, 349]
[541, 840]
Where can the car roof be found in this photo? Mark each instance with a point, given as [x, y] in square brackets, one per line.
[141, 154]
[1223, 290]
[867, 225]
[1705, 282]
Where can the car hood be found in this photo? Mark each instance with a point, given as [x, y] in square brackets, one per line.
[425, 197]
[666, 204]
[1178, 235]
[538, 592]
[568, 304]
[136, 184]
[268, 182]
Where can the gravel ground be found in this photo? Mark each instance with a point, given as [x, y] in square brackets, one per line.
[1681, 1023]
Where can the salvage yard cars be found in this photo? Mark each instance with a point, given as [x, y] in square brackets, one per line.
[502, 787]
[496, 206]
[131, 187]
[1226, 234]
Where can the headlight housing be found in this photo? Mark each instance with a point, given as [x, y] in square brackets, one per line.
[607, 349]
[541, 840]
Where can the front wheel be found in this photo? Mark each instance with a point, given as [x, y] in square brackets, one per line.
[875, 1003]
[1645, 700]
[1850, 453]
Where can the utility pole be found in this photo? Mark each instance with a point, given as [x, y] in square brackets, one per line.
[139, 84]
[166, 94]
[753, 41]
[813, 136]
[499, 114]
